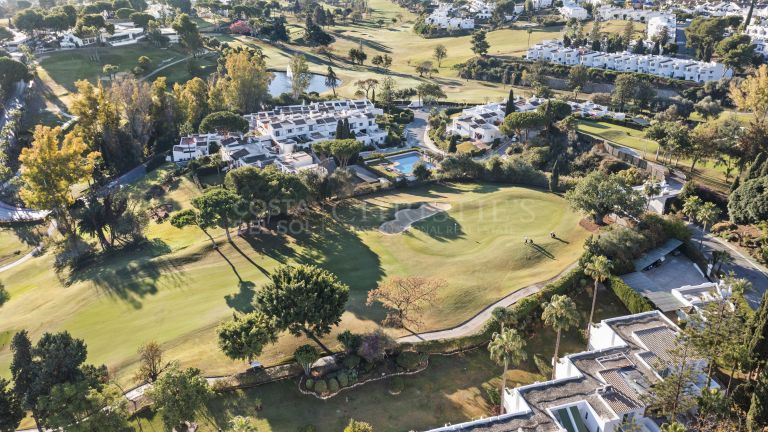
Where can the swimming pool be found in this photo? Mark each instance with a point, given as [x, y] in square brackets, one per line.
[405, 162]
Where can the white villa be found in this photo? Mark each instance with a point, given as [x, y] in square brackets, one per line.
[297, 126]
[296, 162]
[663, 66]
[569, 10]
[124, 34]
[481, 123]
[247, 151]
[600, 389]
[445, 16]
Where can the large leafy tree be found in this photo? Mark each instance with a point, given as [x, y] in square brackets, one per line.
[244, 86]
[599, 269]
[301, 76]
[189, 35]
[151, 363]
[751, 94]
[217, 207]
[405, 298]
[180, 396]
[561, 314]
[704, 33]
[37, 370]
[342, 149]
[304, 300]
[479, 43]
[736, 51]
[78, 407]
[749, 202]
[50, 169]
[11, 413]
[599, 194]
[246, 335]
[521, 122]
[224, 122]
[508, 349]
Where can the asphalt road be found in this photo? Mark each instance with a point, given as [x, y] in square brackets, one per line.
[743, 265]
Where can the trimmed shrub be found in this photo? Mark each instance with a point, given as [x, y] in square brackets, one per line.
[351, 361]
[633, 301]
[343, 379]
[333, 385]
[396, 385]
[309, 383]
[321, 387]
[408, 360]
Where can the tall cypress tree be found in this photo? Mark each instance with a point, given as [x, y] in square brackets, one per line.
[758, 344]
[757, 417]
[339, 129]
[347, 129]
[510, 108]
[554, 179]
[756, 167]
[736, 183]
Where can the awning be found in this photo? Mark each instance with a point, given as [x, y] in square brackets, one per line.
[656, 254]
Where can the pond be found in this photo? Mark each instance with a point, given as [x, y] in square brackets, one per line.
[282, 84]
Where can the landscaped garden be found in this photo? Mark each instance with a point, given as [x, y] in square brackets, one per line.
[452, 389]
[177, 289]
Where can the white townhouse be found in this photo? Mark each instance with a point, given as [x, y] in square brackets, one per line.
[481, 9]
[445, 16]
[70, 41]
[124, 34]
[570, 10]
[296, 162]
[481, 123]
[255, 151]
[600, 389]
[296, 127]
[720, 9]
[663, 66]
[758, 31]
[657, 24]
[193, 147]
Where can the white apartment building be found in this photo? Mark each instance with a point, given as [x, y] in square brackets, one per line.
[481, 9]
[758, 31]
[447, 17]
[296, 127]
[720, 9]
[572, 10]
[657, 24]
[663, 66]
[124, 34]
[600, 389]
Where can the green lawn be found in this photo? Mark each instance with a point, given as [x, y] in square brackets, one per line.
[179, 289]
[450, 390]
[15, 243]
[706, 171]
[66, 67]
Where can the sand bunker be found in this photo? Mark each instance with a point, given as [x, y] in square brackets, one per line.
[405, 218]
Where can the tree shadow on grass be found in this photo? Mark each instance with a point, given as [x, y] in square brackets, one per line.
[130, 274]
[243, 299]
[441, 227]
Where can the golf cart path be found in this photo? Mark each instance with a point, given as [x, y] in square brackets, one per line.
[475, 324]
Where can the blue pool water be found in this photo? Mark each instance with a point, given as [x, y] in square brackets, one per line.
[405, 162]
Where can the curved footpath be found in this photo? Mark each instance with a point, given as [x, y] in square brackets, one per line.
[475, 324]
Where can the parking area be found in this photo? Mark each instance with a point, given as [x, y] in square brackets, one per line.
[655, 284]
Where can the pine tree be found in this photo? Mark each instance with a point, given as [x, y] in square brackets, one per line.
[758, 344]
[510, 108]
[756, 167]
[757, 417]
[554, 179]
[736, 183]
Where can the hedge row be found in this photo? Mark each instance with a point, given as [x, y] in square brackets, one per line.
[633, 301]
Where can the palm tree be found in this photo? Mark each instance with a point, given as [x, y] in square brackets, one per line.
[560, 314]
[691, 207]
[503, 316]
[507, 348]
[708, 214]
[720, 257]
[529, 31]
[651, 188]
[599, 269]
